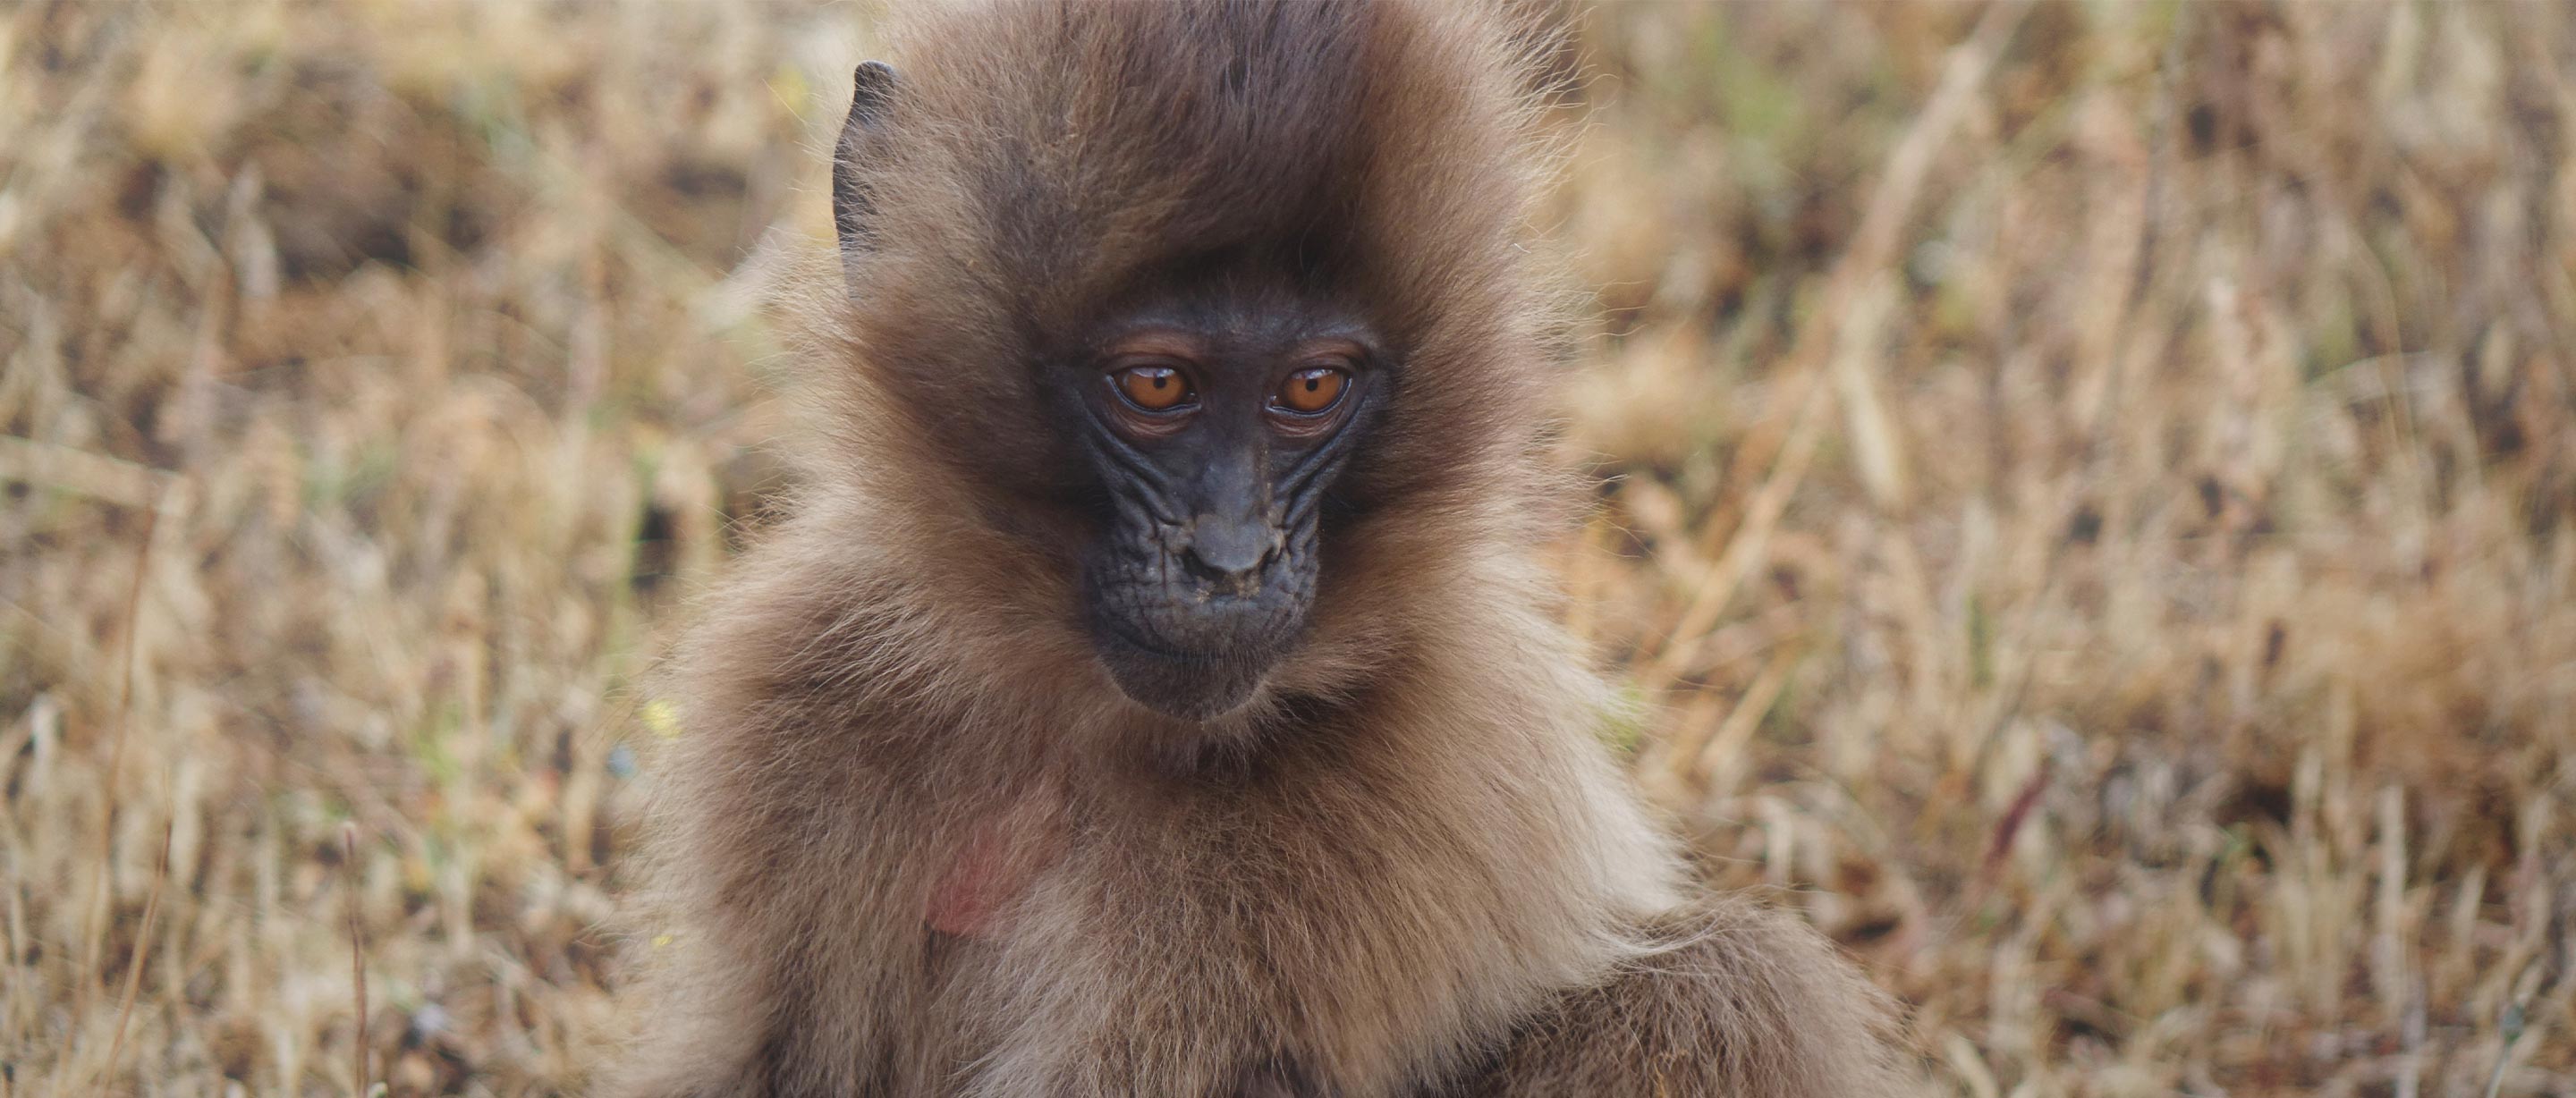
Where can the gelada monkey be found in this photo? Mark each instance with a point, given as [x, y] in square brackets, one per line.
[1152, 690]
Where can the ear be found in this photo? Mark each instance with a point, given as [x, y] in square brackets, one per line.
[852, 205]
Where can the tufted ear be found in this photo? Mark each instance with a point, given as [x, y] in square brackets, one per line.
[852, 206]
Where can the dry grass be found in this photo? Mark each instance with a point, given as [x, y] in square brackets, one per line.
[2097, 508]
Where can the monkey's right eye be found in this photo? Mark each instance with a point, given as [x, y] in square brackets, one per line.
[1154, 388]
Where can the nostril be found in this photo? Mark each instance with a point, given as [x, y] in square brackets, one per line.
[1228, 548]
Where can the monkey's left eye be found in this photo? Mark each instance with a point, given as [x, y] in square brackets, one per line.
[1154, 388]
[1308, 392]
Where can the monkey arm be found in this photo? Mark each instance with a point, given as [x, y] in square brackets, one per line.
[1735, 1001]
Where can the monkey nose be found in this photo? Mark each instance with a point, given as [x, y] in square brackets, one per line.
[1230, 548]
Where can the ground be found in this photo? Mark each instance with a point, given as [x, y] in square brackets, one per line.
[2089, 508]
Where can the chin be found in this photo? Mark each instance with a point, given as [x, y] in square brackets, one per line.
[1193, 687]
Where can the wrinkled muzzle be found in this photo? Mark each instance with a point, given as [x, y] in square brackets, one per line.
[1190, 617]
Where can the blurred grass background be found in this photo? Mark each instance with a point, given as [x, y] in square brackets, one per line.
[2091, 493]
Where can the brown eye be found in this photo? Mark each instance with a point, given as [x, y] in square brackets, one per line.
[1310, 391]
[1154, 388]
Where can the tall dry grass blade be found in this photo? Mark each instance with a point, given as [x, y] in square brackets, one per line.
[1878, 447]
[94, 934]
[357, 956]
[2510, 1027]
[134, 964]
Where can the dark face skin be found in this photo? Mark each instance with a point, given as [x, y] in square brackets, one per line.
[1215, 426]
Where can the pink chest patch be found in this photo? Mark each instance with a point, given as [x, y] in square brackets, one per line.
[992, 870]
[977, 884]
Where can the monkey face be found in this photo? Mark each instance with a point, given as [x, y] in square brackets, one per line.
[1214, 429]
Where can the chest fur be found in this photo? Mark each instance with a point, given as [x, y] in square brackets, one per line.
[1356, 938]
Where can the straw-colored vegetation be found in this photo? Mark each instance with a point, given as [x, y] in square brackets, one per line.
[2089, 498]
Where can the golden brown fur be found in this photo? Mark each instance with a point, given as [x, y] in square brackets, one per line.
[1408, 866]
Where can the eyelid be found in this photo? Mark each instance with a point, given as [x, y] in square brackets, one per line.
[1148, 357]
